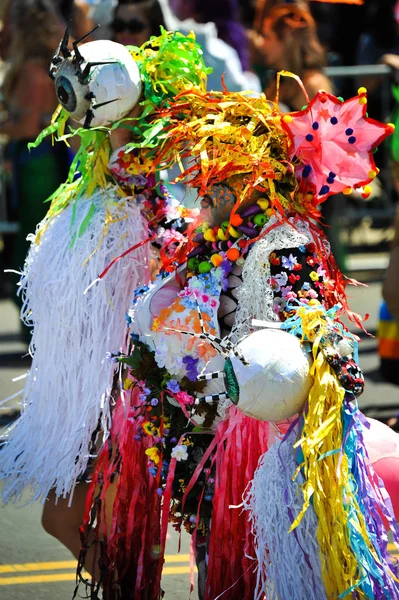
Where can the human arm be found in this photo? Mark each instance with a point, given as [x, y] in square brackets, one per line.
[392, 60]
[315, 81]
[32, 94]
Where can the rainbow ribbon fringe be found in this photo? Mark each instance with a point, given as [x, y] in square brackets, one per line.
[341, 486]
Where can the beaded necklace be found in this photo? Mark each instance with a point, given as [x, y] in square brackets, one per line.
[214, 245]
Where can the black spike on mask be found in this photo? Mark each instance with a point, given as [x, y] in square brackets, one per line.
[88, 119]
[82, 76]
[79, 58]
[62, 50]
[104, 103]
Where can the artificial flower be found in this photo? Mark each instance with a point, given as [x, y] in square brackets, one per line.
[334, 141]
[153, 454]
[274, 260]
[185, 398]
[274, 284]
[281, 278]
[191, 367]
[293, 278]
[285, 290]
[173, 386]
[288, 262]
[312, 294]
[180, 452]
[148, 428]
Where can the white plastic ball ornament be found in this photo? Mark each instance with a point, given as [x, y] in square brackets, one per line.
[276, 382]
[98, 84]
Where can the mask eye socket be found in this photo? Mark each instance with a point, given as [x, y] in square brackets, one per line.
[231, 383]
[66, 94]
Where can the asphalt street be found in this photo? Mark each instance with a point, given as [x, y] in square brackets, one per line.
[34, 565]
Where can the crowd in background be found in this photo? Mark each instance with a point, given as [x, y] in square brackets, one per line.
[245, 41]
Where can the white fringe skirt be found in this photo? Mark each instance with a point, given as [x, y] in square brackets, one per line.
[68, 389]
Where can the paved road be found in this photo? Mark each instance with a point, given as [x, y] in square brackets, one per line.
[23, 542]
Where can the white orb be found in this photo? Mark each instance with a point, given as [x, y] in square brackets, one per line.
[345, 347]
[277, 381]
[116, 85]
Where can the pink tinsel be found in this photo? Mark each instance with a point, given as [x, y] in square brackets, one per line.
[240, 441]
[132, 552]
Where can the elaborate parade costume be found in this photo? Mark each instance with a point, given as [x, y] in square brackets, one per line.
[234, 412]
[110, 206]
[269, 267]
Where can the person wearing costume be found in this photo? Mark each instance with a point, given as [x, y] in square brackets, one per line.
[237, 414]
[237, 383]
[31, 30]
[94, 247]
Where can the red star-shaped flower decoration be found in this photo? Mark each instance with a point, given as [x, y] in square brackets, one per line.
[335, 153]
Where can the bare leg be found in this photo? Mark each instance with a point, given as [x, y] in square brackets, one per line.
[63, 521]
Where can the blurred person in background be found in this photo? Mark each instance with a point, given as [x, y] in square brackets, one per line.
[74, 12]
[380, 36]
[5, 8]
[35, 29]
[338, 25]
[77, 13]
[101, 11]
[263, 8]
[286, 39]
[247, 12]
[134, 22]
[219, 31]
[225, 15]
[379, 43]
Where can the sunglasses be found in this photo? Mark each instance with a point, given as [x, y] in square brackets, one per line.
[133, 26]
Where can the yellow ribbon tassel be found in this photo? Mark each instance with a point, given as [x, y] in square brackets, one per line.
[328, 485]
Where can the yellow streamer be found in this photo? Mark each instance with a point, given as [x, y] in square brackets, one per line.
[328, 482]
[229, 134]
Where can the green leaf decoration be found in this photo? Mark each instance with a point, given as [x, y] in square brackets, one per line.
[86, 220]
[232, 387]
[52, 129]
[132, 360]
